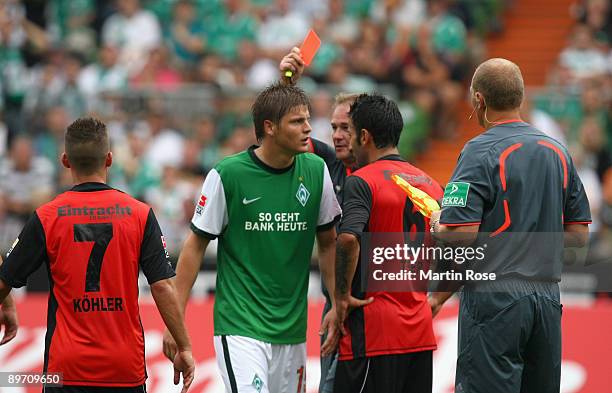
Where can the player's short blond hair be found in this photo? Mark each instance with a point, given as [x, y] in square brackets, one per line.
[345, 98]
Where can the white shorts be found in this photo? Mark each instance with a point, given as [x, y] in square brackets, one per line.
[252, 366]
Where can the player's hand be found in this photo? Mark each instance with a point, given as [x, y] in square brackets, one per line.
[435, 305]
[8, 320]
[169, 346]
[184, 364]
[345, 305]
[329, 329]
[292, 62]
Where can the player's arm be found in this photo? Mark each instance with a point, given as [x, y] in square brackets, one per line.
[209, 220]
[291, 62]
[158, 270]
[326, 243]
[187, 269]
[165, 296]
[357, 205]
[26, 255]
[347, 252]
[188, 266]
[8, 313]
[5, 291]
[5, 298]
[329, 215]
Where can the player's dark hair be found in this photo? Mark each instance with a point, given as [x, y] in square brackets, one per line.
[380, 116]
[87, 144]
[501, 84]
[273, 103]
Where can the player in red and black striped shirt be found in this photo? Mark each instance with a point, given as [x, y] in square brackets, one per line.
[93, 240]
[387, 345]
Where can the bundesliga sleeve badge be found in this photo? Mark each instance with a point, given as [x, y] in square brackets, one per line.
[456, 194]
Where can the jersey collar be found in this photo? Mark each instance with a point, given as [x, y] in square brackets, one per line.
[391, 157]
[265, 166]
[91, 186]
[508, 122]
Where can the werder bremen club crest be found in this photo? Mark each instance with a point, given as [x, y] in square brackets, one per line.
[302, 194]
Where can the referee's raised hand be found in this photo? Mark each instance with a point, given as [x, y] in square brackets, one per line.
[184, 364]
[292, 62]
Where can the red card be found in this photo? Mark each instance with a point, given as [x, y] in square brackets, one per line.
[310, 46]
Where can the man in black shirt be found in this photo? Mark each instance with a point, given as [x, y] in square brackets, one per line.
[340, 160]
[512, 187]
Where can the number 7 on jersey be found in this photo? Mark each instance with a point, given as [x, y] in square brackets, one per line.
[101, 234]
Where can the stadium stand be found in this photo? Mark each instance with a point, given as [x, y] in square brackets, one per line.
[174, 79]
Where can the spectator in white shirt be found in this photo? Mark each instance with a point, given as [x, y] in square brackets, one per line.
[582, 57]
[283, 29]
[26, 180]
[165, 144]
[105, 75]
[134, 31]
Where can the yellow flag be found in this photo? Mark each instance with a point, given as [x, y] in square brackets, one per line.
[419, 198]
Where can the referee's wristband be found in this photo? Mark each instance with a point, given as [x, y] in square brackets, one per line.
[434, 226]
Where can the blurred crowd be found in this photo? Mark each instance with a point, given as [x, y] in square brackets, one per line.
[174, 81]
[576, 108]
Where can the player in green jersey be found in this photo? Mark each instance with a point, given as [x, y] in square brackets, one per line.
[266, 205]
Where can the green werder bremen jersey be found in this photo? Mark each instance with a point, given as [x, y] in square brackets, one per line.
[266, 220]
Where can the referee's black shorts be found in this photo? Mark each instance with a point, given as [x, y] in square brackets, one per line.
[95, 389]
[404, 373]
[510, 338]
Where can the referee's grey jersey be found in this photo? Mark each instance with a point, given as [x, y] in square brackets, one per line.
[521, 187]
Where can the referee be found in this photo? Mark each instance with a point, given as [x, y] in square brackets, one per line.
[513, 187]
